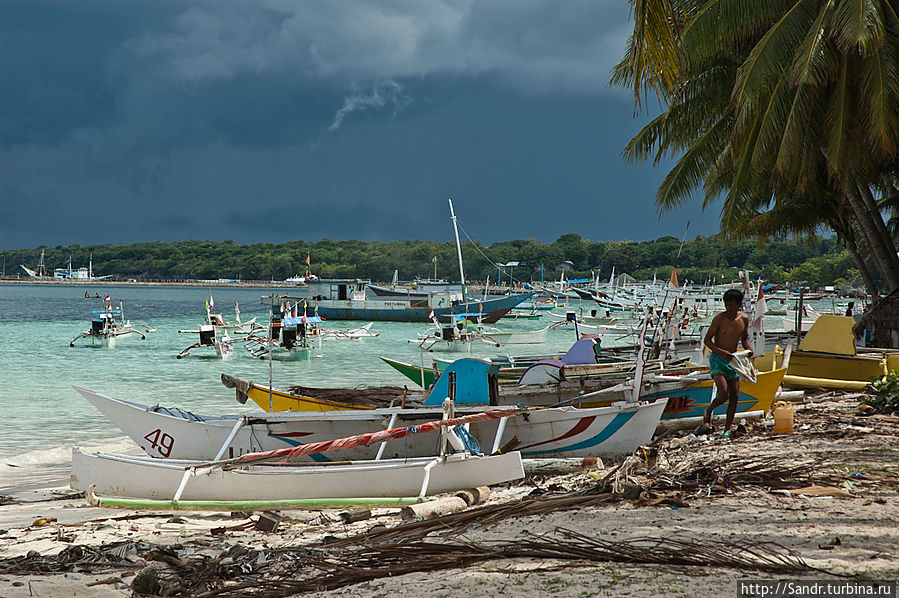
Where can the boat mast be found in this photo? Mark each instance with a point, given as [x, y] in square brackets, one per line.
[458, 250]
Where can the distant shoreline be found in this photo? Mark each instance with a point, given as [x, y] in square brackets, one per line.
[254, 284]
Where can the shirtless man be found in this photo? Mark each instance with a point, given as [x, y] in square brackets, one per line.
[728, 329]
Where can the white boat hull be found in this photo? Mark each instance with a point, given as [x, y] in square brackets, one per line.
[148, 478]
[553, 432]
[535, 337]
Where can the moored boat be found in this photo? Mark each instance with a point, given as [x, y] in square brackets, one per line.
[108, 325]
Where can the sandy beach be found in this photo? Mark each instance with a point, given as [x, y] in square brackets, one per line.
[717, 493]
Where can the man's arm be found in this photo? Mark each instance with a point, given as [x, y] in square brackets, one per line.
[710, 343]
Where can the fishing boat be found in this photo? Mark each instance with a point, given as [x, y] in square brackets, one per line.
[688, 389]
[269, 476]
[522, 315]
[289, 336]
[349, 334]
[563, 431]
[354, 299]
[112, 475]
[455, 336]
[500, 338]
[217, 334]
[828, 358]
[343, 299]
[108, 325]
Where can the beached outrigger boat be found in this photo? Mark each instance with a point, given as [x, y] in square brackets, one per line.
[828, 358]
[268, 477]
[149, 479]
[563, 431]
[109, 325]
[688, 390]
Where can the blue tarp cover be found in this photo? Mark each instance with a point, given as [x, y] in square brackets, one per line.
[309, 319]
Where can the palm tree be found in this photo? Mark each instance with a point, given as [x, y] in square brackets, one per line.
[770, 95]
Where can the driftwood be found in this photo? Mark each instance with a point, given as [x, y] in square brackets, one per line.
[433, 508]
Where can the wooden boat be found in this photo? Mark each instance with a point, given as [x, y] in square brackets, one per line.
[828, 358]
[506, 337]
[521, 315]
[688, 389]
[348, 300]
[559, 431]
[351, 300]
[349, 334]
[217, 334]
[455, 336]
[148, 478]
[289, 336]
[108, 325]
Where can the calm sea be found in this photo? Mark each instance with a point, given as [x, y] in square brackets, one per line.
[42, 417]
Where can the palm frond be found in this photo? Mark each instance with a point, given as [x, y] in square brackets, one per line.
[689, 172]
[879, 82]
[858, 25]
[772, 54]
[810, 62]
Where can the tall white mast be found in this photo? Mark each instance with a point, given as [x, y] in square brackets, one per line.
[458, 250]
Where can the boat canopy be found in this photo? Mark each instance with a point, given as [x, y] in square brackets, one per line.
[299, 320]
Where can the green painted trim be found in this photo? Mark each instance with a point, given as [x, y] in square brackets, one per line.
[411, 372]
[251, 505]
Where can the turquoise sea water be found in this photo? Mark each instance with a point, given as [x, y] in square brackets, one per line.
[42, 417]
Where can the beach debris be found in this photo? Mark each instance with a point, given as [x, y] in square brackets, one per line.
[542, 467]
[353, 516]
[156, 579]
[474, 496]
[42, 521]
[312, 570]
[433, 508]
[268, 521]
[821, 491]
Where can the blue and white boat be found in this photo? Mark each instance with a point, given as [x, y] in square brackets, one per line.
[348, 299]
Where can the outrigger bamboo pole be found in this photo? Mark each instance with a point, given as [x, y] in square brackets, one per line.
[245, 505]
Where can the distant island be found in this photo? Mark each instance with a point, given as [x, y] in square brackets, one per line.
[810, 262]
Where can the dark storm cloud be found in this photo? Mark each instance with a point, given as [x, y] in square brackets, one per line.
[206, 119]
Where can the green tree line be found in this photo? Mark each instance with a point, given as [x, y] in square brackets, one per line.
[813, 262]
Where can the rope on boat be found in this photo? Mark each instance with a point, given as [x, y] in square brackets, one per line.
[288, 453]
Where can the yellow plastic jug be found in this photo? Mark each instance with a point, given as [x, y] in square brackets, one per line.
[783, 418]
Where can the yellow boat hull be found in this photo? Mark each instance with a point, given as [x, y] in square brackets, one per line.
[284, 401]
[689, 401]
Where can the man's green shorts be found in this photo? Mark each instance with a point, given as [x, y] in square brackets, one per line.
[719, 365]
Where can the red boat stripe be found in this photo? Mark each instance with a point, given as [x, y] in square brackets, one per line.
[579, 427]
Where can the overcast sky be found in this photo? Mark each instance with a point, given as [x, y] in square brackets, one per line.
[273, 120]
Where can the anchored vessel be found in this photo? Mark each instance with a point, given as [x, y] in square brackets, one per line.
[108, 325]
